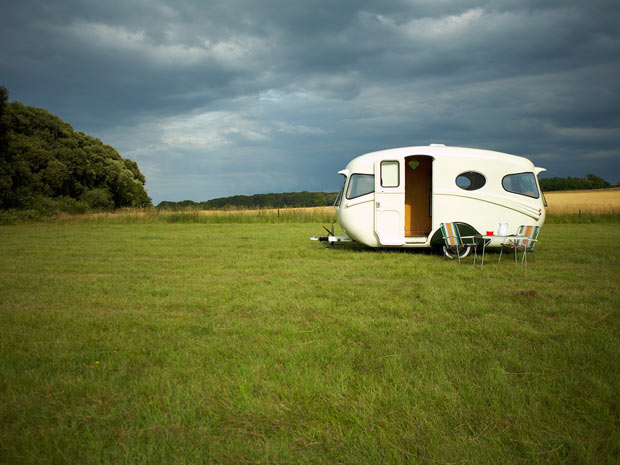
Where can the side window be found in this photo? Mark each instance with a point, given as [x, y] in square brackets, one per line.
[522, 183]
[543, 194]
[389, 174]
[339, 196]
[360, 184]
[470, 180]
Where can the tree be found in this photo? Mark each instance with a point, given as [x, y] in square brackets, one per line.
[98, 199]
[590, 181]
[44, 158]
[6, 179]
[596, 182]
[281, 200]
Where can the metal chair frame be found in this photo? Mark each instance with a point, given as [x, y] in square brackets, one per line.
[453, 240]
[526, 245]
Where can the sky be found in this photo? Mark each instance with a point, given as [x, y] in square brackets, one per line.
[219, 98]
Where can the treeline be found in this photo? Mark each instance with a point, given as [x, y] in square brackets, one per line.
[590, 181]
[257, 201]
[318, 199]
[45, 165]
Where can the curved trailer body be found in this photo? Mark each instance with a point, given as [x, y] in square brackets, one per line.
[399, 197]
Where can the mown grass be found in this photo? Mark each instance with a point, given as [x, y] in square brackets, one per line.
[247, 343]
[583, 218]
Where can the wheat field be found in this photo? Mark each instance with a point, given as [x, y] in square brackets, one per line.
[587, 202]
[597, 201]
[189, 215]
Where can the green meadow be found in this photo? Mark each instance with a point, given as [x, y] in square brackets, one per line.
[241, 343]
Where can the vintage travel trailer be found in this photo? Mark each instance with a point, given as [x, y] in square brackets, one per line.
[400, 197]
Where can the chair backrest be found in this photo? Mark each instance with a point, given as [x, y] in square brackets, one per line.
[451, 235]
[532, 235]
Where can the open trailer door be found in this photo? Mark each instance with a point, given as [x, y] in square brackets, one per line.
[389, 202]
[418, 196]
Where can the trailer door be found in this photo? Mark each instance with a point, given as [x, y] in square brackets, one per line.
[389, 202]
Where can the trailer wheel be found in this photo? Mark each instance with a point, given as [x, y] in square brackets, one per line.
[451, 253]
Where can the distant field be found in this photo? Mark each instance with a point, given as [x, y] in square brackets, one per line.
[587, 206]
[561, 207]
[269, 215]
[249, 344]
[599, 201]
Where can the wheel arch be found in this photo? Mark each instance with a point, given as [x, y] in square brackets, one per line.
[465, 229]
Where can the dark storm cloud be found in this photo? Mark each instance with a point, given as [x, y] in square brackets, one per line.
[244, 96]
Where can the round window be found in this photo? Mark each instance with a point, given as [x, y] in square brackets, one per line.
[470, 181]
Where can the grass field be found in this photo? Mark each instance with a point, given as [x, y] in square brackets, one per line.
[247, 343]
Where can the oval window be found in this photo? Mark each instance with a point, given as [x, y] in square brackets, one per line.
[470, 181]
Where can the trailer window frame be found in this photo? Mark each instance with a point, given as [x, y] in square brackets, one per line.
[340, 195]
[352, 184]
[476, 180]
[531, 178]
[391, 163]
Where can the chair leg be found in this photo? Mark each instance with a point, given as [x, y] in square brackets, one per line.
[500, 253]
[515, 255]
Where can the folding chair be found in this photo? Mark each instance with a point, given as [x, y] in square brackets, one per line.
[454, 244]
[526, 243]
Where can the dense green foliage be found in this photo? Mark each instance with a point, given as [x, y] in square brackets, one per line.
[280, 200]
[46, 165]
[591, 181]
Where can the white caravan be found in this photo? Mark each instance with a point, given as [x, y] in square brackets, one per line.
[400, 197]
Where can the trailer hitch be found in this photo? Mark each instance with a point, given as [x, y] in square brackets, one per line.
[331, 237]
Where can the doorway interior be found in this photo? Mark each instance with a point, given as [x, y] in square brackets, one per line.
[418, 195]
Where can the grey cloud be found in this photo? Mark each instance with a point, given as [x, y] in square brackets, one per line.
[217, 90]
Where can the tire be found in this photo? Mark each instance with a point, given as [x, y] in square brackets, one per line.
[464, 252]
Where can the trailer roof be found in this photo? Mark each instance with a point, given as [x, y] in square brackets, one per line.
[365, 163]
